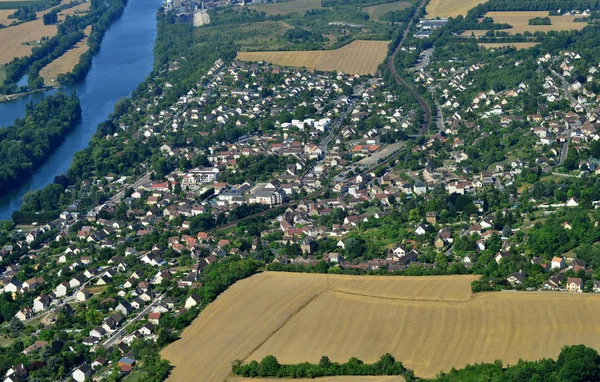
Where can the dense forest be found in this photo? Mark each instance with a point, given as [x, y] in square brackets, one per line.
[25, 145]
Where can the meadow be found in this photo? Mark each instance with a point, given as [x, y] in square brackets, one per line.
[358, 57]
[287, 7]
[376, 11]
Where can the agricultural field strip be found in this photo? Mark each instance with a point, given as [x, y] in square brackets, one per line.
[67, 61]
[358, 57]
[520, 22]
[450, 8]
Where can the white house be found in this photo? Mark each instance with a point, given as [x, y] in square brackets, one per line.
[82, 373]
[192, 301]
[574, 284]
[61, 289]
[557, 263]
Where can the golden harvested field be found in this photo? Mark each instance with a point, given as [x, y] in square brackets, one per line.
[358, 57]
[450, 8]
[376, 11]
[520, 22]
[239, 321]
[66, 62]
[4, 13]
[301, 317]
[11, 39]
[287, 7]
[518, 45]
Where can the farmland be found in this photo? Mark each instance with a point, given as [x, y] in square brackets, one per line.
[288, 7]
[306, 316]
[450, 8]
[76, 10]
[520, 22]
[376, 11]
[66, 62]
[358, 57]
[395, 378]
[12, 39]
[518, 45]
[4, 20]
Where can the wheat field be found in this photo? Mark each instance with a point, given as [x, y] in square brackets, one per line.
[520, 22]
[12, 38]
[430, 324]
[450, 8]
[358, 57]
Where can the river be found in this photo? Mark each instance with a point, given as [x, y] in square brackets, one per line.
[124, 61]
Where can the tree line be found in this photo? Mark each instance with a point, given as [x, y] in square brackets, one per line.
[576, 363]
[270, 367]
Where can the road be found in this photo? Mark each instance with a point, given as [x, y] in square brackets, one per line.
[564, 150]
[116, 197]
[565, 86]
[426, 109]
[109, 342]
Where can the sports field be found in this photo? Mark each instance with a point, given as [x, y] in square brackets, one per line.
[358, 57]
[376, 11]
[66, 62]
[430, 324]
[287, 7]
[450, 8]
[520, 22]
[518, 45]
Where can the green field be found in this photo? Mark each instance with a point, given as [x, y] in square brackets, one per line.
[376, 11]
[2, 76]
[264, 35]
[287, 7]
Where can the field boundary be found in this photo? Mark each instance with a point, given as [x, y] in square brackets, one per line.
[390, 298]
[284, 323]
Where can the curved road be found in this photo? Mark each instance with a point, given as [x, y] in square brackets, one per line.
[427, 118]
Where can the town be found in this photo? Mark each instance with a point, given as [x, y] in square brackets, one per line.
[300, 171]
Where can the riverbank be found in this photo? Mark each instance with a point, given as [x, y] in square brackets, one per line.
[124, 61]
[12, 97]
